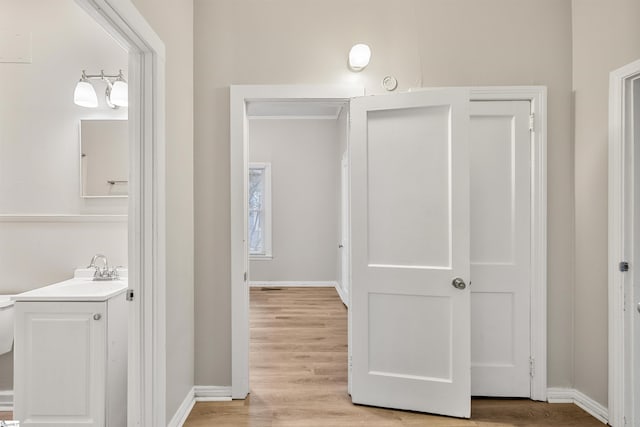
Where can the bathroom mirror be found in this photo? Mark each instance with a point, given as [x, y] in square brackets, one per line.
[104, 156]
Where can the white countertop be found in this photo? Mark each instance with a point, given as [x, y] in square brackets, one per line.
[76, 289]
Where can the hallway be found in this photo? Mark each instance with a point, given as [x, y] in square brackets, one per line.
[299, 376]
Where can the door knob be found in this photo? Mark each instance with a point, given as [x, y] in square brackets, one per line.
[458, 283]
[340, 246]
[639, 307]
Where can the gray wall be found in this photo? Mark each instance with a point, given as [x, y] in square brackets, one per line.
[422, 43]
[173, 21]
[606, 36]
[305, 182]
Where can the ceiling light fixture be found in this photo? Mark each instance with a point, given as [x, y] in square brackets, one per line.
[359, 57]
[116, 93]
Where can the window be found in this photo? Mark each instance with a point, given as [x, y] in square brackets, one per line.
[260, 210]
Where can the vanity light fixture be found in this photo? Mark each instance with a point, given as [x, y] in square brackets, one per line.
[85, 94]
[116, 93]
[359, 57]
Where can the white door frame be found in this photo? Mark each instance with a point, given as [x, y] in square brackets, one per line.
[239, 96]
[621, 246]
[147, 350]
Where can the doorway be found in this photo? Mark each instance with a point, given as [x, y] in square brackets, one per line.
[624, 240]
[146, 214]
[534, 96]
[145, 219]
[294, 186]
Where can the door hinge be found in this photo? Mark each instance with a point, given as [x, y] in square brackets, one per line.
[245, 276]
[350, 362]
[623, 266]
[129, 294]
[532, 121]
[532, 367]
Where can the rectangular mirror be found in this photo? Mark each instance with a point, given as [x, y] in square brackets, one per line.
[104, 154]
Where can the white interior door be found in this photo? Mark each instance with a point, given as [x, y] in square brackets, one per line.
[410, 239]
[500, 248]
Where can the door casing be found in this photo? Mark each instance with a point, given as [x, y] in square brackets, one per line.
[624, 218]
[146, 247]
[241, 94]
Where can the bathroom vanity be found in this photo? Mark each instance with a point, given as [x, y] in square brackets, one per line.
[71, 354]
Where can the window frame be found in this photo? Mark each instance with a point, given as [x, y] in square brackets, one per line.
[268, 249]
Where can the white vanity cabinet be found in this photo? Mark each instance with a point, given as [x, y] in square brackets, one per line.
[70, 360]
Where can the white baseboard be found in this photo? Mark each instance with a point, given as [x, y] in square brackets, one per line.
[293, 283]
[183, 411]
[570, 395]
[199, 393]
[343, 294]
[6, 400]
[212, 393]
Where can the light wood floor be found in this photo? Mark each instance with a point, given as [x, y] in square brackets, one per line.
[299, 376]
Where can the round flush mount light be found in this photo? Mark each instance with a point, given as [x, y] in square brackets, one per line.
[359, 57]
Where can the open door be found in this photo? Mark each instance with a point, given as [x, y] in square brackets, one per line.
[410, 309]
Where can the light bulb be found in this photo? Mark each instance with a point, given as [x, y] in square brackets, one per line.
[359, 57]
[120, 93]
[85, 95]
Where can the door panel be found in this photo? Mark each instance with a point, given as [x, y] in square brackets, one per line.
[400, 197]
[500, 248]
[410, 239]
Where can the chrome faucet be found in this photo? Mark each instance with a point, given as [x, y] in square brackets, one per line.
[104, 273]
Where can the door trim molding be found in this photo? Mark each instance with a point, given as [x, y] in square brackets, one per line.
[239, 96]
[147, 230]
[537, 95]
[621, 170]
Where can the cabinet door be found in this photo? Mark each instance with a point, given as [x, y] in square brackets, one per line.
[60, 361]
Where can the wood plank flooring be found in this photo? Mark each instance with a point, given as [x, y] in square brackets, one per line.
[299, 376]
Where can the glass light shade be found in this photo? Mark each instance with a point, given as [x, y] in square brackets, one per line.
[359, 57]
[120, 93]
[85, 95]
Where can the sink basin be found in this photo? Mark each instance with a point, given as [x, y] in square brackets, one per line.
[76, 289]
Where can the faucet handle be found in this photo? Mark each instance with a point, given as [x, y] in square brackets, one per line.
[114, 273]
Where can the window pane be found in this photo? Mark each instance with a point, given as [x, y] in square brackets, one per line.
[256, 211]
